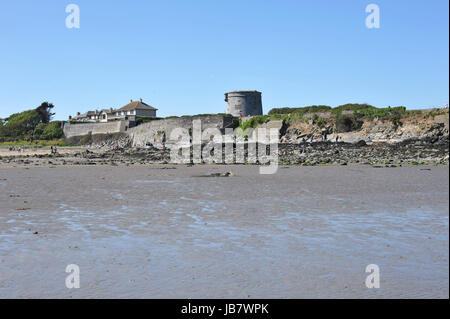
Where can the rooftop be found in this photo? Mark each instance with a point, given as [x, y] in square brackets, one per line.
[133, 105]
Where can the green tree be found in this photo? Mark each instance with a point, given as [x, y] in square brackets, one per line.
[20, 125]
[30, 124]
[44, 111]
[51, 131]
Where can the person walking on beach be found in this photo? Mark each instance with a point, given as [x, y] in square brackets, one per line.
[337, 138]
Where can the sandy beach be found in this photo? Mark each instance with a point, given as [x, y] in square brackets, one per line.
[33, 151]
[165, 231]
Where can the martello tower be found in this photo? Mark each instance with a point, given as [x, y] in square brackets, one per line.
[244, 103]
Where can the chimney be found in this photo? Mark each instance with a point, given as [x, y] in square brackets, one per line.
[78, 113]
[131, 100]
[140, 100]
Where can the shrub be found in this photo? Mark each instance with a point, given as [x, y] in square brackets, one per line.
[300, 110]
[52, 131]
[343, 123]
[347, 124]
[253, 122]
[39, 130]
[353, 107]
[235, 124]
[321, 122]
[394, 114]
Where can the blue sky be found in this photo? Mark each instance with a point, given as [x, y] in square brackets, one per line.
[182, 56]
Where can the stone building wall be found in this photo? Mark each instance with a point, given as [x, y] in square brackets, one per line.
[80, 129]
[147, 113]
[153, 132]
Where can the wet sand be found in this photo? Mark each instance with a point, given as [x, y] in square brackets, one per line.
[160, 231]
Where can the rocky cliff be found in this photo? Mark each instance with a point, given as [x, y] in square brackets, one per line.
[412, 125]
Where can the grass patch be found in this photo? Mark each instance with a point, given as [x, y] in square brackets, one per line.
[253, 122]
[436, 112]
[417, 163]
[301, 110]
[347, 117]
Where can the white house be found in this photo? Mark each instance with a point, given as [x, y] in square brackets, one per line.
[134, 110]
[131, 112]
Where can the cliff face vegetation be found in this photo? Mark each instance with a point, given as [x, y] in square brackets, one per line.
[354, 122]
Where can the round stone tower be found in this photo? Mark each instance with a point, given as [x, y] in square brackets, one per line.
[244, 103]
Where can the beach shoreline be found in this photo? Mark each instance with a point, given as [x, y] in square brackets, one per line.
[162, 231]
[426, 151]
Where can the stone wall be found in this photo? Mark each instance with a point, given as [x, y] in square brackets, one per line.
[153, 132]
[80, 129]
